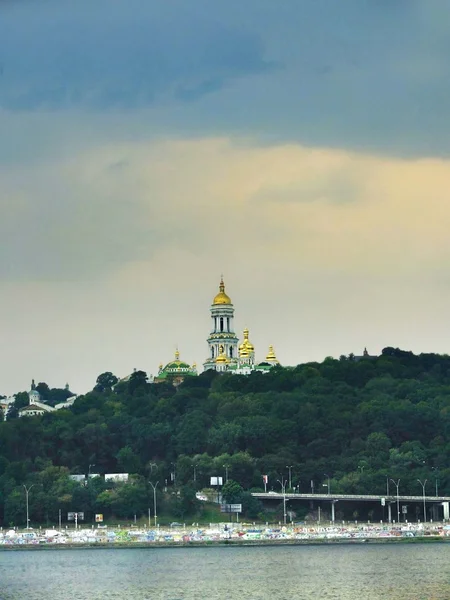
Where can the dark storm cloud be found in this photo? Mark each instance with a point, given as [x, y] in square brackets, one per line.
[364, 74]
[117, 54]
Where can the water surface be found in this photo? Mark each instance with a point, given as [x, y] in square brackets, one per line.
[354, 572]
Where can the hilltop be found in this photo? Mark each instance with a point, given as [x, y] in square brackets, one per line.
[347, 422]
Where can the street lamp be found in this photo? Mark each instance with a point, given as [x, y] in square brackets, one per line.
[397, 483]
[424, 504]
[283, 483]
[290, 475]
[328, 483]
[27, 491]
[89, 475]
[226, 467]
[154, 498]
[436, 469]
[195, 472]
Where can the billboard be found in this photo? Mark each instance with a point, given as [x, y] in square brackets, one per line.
[231, 508]
[99, 518]
[116, 476]
[79, 516]
[79, 478]
[216, 481]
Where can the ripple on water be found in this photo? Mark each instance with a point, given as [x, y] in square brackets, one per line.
[359, 572]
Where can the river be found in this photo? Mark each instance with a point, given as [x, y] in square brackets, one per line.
[344, 572]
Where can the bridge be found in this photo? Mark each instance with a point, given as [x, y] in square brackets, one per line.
[358, 497]
[382, 500]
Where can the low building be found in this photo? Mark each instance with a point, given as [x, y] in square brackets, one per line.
[175, 371]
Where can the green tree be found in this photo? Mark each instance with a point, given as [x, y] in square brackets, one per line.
[105, 382]
[232, 492]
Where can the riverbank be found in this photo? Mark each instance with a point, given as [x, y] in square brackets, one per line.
[229, 543]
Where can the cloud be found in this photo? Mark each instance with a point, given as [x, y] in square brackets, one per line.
[371, 76]
[112, 254]
[118, 56]
[105, 208]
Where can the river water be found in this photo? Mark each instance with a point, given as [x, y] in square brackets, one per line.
[344, 572]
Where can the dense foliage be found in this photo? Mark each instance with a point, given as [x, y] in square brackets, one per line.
[348, 423]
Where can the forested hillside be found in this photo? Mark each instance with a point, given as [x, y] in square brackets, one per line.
[354, 422]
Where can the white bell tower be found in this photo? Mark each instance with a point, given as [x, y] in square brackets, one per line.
[222, 341]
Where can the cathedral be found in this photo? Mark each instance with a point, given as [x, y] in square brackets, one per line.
[225, 353]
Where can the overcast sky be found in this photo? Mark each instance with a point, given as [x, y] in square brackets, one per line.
[299, 147]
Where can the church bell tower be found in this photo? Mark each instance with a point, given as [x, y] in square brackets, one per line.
[222, 341]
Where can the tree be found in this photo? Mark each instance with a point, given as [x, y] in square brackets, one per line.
[138, 381]
[44, 390]
[232, 492]
[105, 382]
[128, 461]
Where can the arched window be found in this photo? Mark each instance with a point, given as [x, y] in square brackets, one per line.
[221, 324]
[212, 351]
[231, 351]
[228, 324]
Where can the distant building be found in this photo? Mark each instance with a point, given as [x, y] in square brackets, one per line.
[37, 408]
[116, 477]
[66, 404]
[225, 354]
[175, 371]
[365, 356]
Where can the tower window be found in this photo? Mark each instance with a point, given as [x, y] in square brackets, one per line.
[228, 324]
[231, 351]
[212, 352]
[221, 324]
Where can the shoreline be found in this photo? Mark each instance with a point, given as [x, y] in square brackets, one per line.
[228, 543]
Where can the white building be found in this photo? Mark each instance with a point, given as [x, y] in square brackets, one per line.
[224, 351]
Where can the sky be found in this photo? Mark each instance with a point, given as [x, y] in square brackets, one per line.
[299, 147]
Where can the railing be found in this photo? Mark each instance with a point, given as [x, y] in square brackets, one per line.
[368, 497]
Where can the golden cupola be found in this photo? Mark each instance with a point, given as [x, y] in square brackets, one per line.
[246, 347]
[271, 357]
[221, 297]
[221, 358]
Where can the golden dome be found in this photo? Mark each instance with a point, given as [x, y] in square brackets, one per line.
[222, 297]
[246, 347]
[221, 358]
[271, 357]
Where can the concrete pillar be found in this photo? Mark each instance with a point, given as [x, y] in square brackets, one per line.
[332, 511]
[389, 512]
[445, 506]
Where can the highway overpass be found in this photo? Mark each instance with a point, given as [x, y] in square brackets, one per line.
[383, 507]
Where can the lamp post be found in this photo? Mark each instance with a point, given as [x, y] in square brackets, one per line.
[195, 472]
[289, 468]
[328, 483]
[173, 473]
[154, 498]
[226, 467]
[436, 469]
[283, 483]
[397, 483]
[423, 484]
[27, 491]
